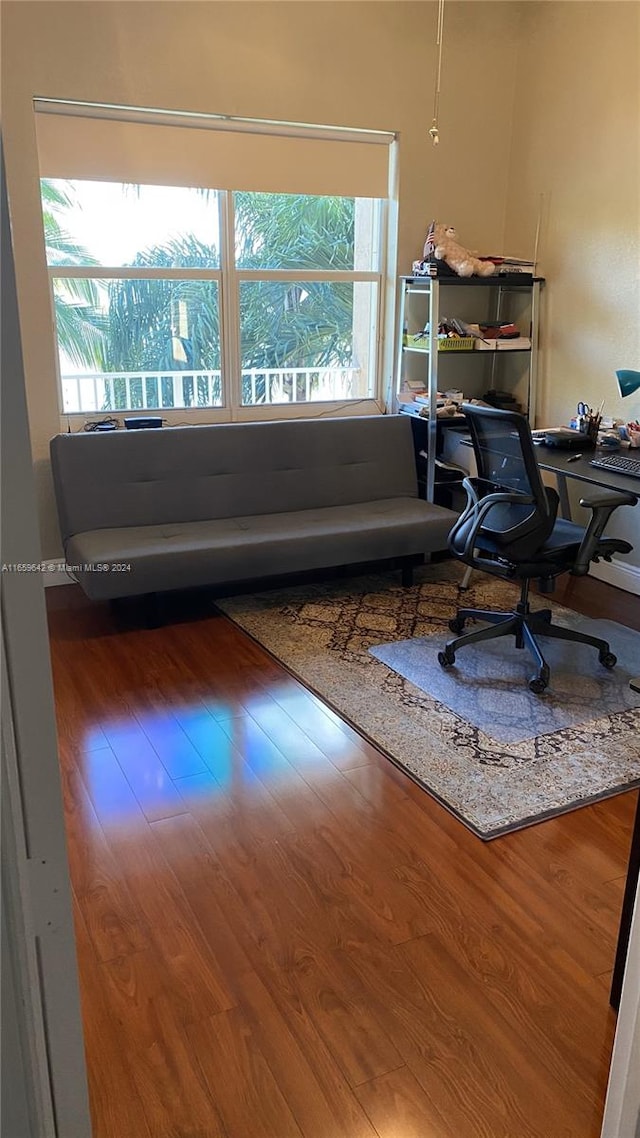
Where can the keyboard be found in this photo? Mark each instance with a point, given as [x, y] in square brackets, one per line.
[618, 464]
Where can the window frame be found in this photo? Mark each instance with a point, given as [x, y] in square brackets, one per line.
[229, 279]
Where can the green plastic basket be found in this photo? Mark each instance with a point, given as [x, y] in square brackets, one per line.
[419, 342]
[464, 344]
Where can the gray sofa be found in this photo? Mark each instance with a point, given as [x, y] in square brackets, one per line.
[153, 510]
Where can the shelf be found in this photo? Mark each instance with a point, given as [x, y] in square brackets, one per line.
[470, 351]
[503, 298]
[506, 280]
[443, 421]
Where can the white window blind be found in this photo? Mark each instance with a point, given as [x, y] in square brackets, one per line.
[210, 153]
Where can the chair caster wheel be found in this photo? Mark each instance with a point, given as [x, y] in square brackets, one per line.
[446, 658]
[456, 624]
[607, 659]
[538, 684]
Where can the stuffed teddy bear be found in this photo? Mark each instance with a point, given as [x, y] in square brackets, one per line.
[441, 243]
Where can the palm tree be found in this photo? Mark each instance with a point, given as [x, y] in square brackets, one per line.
[138, 324]
[79, 314]
[294, 231]
[173, 324]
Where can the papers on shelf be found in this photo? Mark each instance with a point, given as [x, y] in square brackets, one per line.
[516, 344]
[512, 264]
[424, 399]
[498, 259]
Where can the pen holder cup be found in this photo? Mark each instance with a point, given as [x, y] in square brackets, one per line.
[634, 438]
[592, 425]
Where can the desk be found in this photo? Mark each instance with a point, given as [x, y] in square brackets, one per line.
[444, 486]
[556, 461]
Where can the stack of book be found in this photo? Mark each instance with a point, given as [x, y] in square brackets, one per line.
[508, 265]
[417, 399]
[510, 344]
[424, 400]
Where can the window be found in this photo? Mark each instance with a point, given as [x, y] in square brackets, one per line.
[137, 276]
[176, 297]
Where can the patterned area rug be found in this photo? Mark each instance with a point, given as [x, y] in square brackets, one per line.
[488, 686]
[323, 634]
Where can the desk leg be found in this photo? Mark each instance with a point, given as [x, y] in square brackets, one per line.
[627, 914]
[563, 494]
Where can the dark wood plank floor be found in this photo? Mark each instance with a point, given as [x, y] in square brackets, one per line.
[281, 936]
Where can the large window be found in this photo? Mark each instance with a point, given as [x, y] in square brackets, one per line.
[176, 297]
[202, 262]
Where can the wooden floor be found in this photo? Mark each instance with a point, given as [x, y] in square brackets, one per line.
[281, 936]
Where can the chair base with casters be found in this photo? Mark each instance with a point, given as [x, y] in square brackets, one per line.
[526, 626]
[510, 529]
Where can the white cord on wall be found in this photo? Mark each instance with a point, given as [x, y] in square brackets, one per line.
[433, 129]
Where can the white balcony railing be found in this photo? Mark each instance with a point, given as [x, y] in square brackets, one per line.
[93, 392]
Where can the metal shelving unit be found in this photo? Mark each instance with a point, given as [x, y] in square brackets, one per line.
[431, 290]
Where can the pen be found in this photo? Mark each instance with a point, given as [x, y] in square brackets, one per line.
[574, 458]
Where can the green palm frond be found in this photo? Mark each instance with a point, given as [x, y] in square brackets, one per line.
[81, 334]
[151, 325]
[57, 202]
[294, 231]
[79, 321]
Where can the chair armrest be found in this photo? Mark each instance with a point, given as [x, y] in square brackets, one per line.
[474, 498]
[602, 506]
[613, 498]
[477, 508]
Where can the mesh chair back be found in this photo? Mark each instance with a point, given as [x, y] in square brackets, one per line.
[504, 450]
[506, 461]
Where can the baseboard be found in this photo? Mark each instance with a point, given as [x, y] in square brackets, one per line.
[55, 573]
[616, 573]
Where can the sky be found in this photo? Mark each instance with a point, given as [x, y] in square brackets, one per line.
[114, 222]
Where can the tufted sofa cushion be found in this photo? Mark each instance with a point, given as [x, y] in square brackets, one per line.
[178, 474]
[188, 506]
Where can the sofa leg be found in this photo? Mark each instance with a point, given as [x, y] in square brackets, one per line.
[407, 576]
[152, 610]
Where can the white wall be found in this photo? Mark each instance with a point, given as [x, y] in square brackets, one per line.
[368, 65]
[537, 98]
[576, 140]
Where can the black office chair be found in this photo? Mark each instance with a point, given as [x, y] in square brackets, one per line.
[510, 528]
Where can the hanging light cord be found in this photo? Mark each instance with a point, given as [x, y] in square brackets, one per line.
[433, 130]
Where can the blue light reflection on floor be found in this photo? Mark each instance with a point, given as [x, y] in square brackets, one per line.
[94, 739]
[212, 743]
[128, 761]
[199, 786]
[218, 708]
[263, 759]
[109, 790]
[171, 744]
